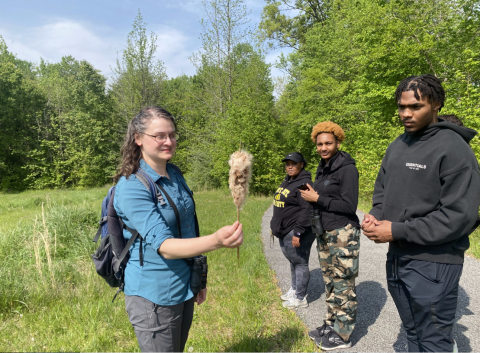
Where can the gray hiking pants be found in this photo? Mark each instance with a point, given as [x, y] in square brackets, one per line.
[159, 328]
[298, 258]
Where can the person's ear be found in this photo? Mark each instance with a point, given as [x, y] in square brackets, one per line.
[138, 140]
[436, 106]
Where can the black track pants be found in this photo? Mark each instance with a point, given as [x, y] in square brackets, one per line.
[425, 294]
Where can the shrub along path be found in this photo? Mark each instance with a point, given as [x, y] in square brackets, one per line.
[378, 324]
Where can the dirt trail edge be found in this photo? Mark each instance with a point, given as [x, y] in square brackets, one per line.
[378, 326]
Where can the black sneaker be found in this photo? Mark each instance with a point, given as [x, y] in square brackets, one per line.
[320, 331]
[332, 341]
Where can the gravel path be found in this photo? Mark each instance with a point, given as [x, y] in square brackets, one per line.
[378, 326]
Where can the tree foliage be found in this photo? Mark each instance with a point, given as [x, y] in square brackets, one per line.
[285, 23]
[78, 136]
[235, 94]
[350, 64]
[21, 103]
[61, 125]
[138, 78]
[57, 127]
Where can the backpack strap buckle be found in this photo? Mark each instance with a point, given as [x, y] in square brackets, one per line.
[102, 220]
[160, 199]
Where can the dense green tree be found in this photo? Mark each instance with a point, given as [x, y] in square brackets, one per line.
[61, 126]
[234, 90]
[180, 98]
[22, 105]
[250, 119]
[138, 78]
[286, 30]
[222, 31]
[80, 136]
[349, 65]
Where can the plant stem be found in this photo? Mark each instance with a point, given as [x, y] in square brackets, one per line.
[238, 249]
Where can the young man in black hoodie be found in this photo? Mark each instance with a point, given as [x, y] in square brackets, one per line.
[425, 204]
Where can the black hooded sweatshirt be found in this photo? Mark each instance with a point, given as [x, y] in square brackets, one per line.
[429, 187]
[336, 182]
[290, 210]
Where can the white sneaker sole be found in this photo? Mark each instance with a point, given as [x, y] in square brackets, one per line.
[286, 297]
[296, 306]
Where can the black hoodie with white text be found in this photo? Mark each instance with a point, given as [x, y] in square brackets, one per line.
[290, 210]
[429, 187]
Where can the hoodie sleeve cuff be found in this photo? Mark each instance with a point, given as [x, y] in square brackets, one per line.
[376, 214]
[323, 201]
[297, 232]
[398, 231]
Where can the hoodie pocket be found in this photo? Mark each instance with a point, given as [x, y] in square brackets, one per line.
[393, 213]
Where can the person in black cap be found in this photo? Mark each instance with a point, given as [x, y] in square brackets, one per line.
[291, 224]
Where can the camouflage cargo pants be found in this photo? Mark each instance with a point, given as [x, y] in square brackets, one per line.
[338, 252]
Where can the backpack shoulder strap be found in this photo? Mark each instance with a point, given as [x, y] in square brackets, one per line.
[175, 209]
[148, 183]
[103, 216]
[135, 235]
[150, 186]
[176, 168]
[182, 180]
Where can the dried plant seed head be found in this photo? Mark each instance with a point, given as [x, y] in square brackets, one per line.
[240, 173]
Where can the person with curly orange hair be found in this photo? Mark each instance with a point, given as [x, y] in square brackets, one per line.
[334, 197]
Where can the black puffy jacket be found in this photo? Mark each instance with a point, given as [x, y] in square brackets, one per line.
[337, 184]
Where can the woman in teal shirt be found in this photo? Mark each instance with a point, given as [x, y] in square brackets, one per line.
[158, 297]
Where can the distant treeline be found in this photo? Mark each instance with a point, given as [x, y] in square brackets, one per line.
[62, 124]
[350, 55]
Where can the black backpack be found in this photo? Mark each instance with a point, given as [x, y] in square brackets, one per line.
[112, 255]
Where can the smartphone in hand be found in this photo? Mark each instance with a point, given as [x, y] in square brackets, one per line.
[303, 187]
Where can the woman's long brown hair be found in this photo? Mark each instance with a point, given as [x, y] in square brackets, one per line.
[130, 151]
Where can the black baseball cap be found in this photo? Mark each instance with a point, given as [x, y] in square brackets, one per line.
[295, 157]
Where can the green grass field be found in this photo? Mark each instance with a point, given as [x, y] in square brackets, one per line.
[51, 299]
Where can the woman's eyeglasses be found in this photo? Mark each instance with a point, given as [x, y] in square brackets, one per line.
[163, 137]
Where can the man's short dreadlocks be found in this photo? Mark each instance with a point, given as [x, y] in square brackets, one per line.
[428, 85]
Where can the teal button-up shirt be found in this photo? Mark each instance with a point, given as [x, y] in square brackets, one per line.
[162, 281]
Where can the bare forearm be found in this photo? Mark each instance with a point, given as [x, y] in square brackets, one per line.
[226, 237]
[185, 248]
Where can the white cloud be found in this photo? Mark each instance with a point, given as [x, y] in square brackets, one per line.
[173, 49]
[55, 40]
[99, 45]
[23, 51]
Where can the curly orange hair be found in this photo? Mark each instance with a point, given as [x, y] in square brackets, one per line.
[328, 126]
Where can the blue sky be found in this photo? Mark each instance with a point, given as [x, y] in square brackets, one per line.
[97, 30]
